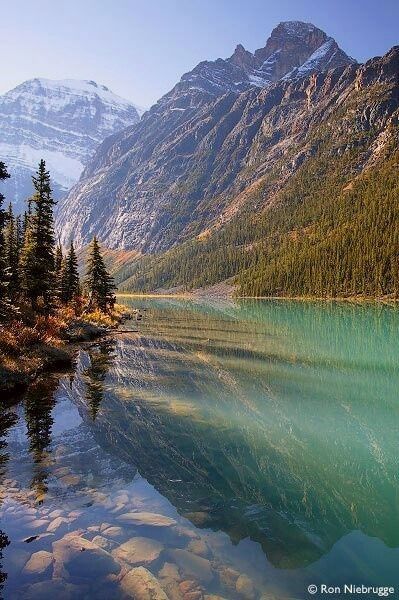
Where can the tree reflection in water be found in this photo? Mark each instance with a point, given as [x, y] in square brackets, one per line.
[7, 420]
[39, 403]
[101, 357]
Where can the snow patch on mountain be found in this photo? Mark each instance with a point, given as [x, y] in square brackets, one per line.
[62, 121]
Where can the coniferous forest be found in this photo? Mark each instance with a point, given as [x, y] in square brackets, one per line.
[328, 234]
[41, 292]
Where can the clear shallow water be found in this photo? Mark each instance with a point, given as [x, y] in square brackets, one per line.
[267, 432]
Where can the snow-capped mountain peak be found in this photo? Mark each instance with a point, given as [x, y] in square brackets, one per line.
[62, 121]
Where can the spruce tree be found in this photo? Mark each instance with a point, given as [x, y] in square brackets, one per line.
[37, 257]
[11, 253]
[70, 284]
[4, 298]
[99, 283]
[58, 262]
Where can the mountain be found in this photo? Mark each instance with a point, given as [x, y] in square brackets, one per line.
[143, 187]
[61, 121]
[302, 197]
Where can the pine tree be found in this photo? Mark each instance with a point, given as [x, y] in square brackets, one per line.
[70, 284]
[99, 283]
[37, 257]
[4, 298]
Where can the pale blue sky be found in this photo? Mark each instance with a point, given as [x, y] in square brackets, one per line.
[140, 48]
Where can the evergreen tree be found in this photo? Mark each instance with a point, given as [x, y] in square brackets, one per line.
[99, 283]
[37, 257]
[11, 253]
[70, 285]
[4, 298]
[58, 262]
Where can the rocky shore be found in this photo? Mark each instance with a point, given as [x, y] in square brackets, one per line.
[16, 374]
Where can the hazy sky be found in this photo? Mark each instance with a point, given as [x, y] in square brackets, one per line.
[140, 48]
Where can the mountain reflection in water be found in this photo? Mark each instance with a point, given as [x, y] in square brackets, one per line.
[273, 422]
[270, 441]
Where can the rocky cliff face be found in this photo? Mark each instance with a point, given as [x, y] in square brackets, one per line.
[60, 121]
[144, 186]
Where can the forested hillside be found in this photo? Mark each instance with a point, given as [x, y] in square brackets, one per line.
[341, 243]
[323, 220]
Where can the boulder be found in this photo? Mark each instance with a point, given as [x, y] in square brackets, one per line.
[138, 551]
[77, 557]
[140, 584]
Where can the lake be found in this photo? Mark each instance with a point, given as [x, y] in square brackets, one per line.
[228, 449]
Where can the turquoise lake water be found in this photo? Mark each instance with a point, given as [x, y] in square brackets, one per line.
[266, 431]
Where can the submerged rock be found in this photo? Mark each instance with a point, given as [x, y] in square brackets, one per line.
[56, 524]
[245, 587]
[199, 547]
[39, 563]
[191, 590]
[77, 557]
[114, 532]
[37, 524]
[192, 565]
[104, 543]
[169, 571]
[146, 518]
[70, 480]
[198, 518]
[228, 577]
[138, 551]
[140, 584]
[49, 590]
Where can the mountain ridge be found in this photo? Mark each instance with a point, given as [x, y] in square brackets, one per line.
[125, 190]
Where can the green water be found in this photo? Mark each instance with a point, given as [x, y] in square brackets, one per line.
[268, 430]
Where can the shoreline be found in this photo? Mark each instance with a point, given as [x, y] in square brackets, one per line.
[44, 358]
[23, 369]
[191, 296]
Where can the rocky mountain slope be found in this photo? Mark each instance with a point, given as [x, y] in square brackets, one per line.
[148, 187]
[311, 201]
[61, 121]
